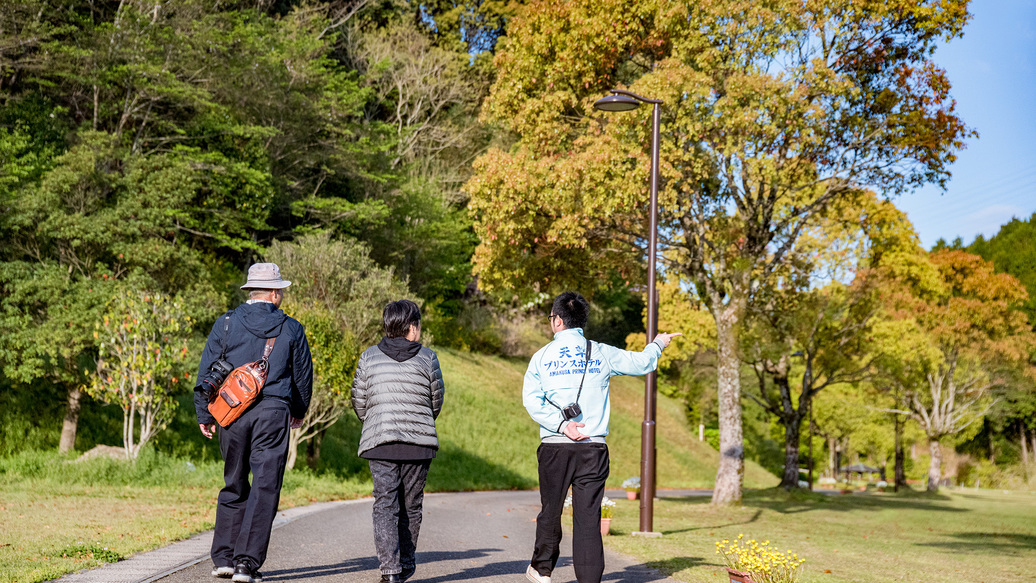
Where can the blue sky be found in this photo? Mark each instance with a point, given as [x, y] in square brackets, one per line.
[993, 73]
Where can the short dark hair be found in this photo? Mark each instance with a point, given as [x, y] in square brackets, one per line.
[572, 308]
[398, 317]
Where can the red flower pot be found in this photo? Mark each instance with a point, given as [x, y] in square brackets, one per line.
[631, 495]
[739, 576]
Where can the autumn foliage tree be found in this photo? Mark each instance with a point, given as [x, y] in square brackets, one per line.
[817, 316]
[772, 112]
[955, 345]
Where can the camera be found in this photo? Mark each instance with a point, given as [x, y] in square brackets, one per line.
[213, 379]
[572, 411]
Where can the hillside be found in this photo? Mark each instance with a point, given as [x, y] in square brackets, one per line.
[488, 440]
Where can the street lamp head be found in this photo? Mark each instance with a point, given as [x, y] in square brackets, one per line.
[616, 103]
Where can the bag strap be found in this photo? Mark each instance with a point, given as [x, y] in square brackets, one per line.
[586, 365]
[269, 347]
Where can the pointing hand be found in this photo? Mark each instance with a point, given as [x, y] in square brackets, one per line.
[665, 339]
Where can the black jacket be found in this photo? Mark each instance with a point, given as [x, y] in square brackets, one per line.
[291, 366]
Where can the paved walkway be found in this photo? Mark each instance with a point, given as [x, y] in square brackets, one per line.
[471, 537]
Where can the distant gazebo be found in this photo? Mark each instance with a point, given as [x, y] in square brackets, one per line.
[860, 469]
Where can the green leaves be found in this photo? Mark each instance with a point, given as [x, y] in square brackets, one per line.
[142, 361]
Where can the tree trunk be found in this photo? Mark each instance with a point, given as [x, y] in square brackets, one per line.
[71, 422]
[791, 450]
[1025, 448]
[731, 472]
[313, 450]
[935, 467]
[1033, 441]
[832, 457]
[293, 448]
[900, 471]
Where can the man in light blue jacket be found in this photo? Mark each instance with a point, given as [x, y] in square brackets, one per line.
[566, 392]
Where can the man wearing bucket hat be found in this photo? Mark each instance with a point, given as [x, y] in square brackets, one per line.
[257, 442]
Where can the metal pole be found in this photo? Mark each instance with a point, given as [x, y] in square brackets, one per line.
[647, 436]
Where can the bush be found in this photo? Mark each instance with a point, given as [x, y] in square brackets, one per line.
[986, 474]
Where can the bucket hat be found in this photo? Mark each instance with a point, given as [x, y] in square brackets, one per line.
[265, 276]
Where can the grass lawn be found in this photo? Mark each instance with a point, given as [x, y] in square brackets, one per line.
[956, 536]
[49, 527]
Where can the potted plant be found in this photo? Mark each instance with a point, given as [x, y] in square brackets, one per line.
[632, 487]
[753, 562]
[607, 511]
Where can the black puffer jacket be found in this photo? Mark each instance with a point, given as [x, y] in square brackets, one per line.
[398, 397]
[291, 366]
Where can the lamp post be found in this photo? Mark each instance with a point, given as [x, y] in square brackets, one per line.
[625, 101]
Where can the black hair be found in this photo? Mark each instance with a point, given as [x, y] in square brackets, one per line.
[398, 317]
[572, 308]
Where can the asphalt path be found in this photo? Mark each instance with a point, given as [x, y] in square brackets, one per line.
[470, 537]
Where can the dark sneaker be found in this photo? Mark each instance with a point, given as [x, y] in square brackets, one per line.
[393, 578]
[245, 574]
[223, 572]
[408, 572]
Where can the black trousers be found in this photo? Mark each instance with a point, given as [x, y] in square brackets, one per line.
[256, 443]
[398, 506]
[584, 468]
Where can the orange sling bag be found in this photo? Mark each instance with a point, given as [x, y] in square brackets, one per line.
[241, 388]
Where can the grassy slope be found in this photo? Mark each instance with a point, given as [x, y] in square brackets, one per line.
[489, 440]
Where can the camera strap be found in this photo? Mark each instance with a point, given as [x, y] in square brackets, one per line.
[589, 348]
[226, 333]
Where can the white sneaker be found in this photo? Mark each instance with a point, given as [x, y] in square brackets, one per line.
[535, 577]
[223, 572]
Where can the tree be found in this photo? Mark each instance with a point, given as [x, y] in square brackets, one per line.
[427, 97]
[338, 294]
[772, 113]
[827, 329]
[1013, 250]
[476, 25]
[141, 359]
[161, 141]
[955, 345]
[97, 214]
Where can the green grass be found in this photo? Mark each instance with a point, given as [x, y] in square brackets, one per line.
[58, 516]
[960, 536]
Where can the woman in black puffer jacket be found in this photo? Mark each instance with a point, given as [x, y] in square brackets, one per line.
[397, 394]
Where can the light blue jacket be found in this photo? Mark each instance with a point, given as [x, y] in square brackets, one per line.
[554, 373]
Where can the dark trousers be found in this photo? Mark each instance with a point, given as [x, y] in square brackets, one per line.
[258, 443]
[398, 502]
[584, 468]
